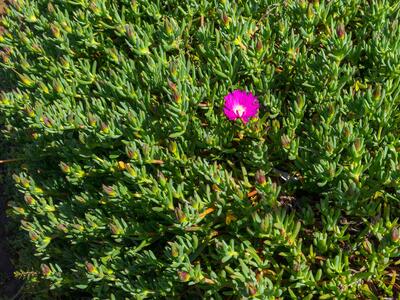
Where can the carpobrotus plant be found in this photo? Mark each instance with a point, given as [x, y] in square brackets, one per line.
[134, 182]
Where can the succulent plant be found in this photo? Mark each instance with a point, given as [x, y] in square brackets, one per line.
[134, 183]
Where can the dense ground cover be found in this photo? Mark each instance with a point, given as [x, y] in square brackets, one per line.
[134, 184]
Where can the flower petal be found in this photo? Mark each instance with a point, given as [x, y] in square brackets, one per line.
[245, 99]
[230, 114]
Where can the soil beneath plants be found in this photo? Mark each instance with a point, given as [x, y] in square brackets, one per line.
[9, 285]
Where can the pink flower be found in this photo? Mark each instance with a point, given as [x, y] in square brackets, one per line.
[241, 105]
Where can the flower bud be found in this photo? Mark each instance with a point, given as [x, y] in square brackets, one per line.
[78, 227]
[109, 190]
[367, 246]
[180, 215]
[80, 199]
[341, 31]
[50, 8]
[377, 92]
[94, 8]
[329, 147]
[300, 102]
[310, 11]
[177, 97]
[47, 121]
[90, 267]
[64, 62]
[29, 199]
[132, 154]
[66, 26]
[33, 236]
[172, 146]
[171, 85]
[252, 289]
[174, 251]
[43, 88]
[55, 31]
[358, 143]
[168, 27]
[230, 217]
[25, 182]
[121, 165]
[113, 53]
[26, 225]
[173, 68]
[161, 178]
[183, 276]
[129, 31]
[104, 128]
[19, 210]
[146, 150]
[331, 110]
[79, 173]
[259, 45]
[260, 177]
[62, 228]
[114, 229]
[57, 87]
[25, 65]
[23, 37]
[29, 112]
[65, 168]
[5, 58]
[346, 131]
[395, 234]
[225, 19]
[16, 178]
[36, 48]
[26, 80]
[131, 170]
[35, 135]
[215, 188]
[285, 141]
[92, 120]
[46, 271]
